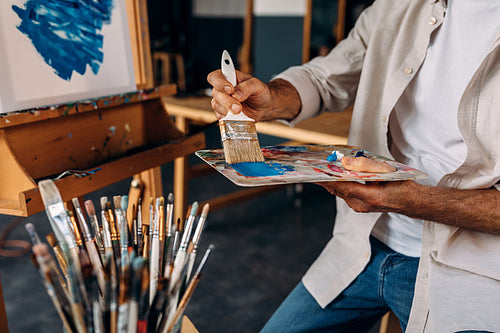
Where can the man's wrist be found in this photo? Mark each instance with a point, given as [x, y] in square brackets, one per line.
[286, 99]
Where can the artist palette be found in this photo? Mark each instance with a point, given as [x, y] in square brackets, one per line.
[302, 164]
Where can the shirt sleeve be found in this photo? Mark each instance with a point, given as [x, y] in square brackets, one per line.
[330, 83]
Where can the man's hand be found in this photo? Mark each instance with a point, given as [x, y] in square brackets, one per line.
[372, 197]
[276, 100]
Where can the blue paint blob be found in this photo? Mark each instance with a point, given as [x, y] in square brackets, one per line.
[360, 154]
[67, 34]
[261, 169]
[332, 157]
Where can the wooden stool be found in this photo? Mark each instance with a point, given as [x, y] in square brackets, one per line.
[166, 59]
[390, 324]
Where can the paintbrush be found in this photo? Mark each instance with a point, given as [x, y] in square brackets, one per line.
[159, 302]
[123, 300]
[238, 131]
[139, 227]
[143, 301]
[76, 230]
[115, 236]
[145, 246]
[59, 297]
[135, 294]
[168, 228]
[89, 244]
[63, 265]
[94, 222]
[124, 205]
[134, 230]
[161, 235]
[49, 264]
[122, 227]
[189, 291]
[180, 268]
[193, 245]
[106, 231]
[180, 258]
[106, 303]
[151, 222]
[90, 284]
[155, 252]
[56, 213]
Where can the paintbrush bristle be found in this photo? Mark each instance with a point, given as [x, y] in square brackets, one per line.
[240, 151]
[104, 201]
[170, 199]
[117, 201]
[89, 207]
[205, 209]
[240, 141]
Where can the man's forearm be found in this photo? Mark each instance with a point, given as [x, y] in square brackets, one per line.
[286, 100]
[471, 209]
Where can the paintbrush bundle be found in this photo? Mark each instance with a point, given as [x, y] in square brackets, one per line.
[109, 277]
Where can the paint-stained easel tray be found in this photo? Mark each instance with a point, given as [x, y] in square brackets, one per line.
[302, 164]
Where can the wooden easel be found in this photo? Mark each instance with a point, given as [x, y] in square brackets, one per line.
[113, 138]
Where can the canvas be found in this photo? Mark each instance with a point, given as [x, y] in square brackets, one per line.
[56, 52]
[302, 164]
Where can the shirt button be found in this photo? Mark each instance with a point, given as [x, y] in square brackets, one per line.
[432, 20]
[408, 70]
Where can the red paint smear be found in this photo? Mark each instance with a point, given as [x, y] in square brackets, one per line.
[335, 168]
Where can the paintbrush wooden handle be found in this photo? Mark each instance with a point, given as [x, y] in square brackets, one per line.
[96, 262]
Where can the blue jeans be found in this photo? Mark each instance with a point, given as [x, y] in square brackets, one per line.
[386, 283]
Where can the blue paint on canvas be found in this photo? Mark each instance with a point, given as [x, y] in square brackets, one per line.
[261, 169]
[67, 34]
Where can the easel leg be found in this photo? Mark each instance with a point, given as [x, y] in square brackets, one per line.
[4, 328]
[180, 176]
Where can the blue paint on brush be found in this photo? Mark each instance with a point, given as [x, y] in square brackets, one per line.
[66, 34]
[261, 169]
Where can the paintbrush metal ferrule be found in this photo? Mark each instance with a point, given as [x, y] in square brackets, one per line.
[188, 227]
[139, 227]
[201, 225]
[76, 229]
[170, 214]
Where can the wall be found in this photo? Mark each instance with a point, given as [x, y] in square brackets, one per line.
[277, 39]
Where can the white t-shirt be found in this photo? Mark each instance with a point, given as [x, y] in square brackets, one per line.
[424, 125]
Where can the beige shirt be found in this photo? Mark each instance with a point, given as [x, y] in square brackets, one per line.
[458, 282]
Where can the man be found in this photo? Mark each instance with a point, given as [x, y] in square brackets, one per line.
[424, 77]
